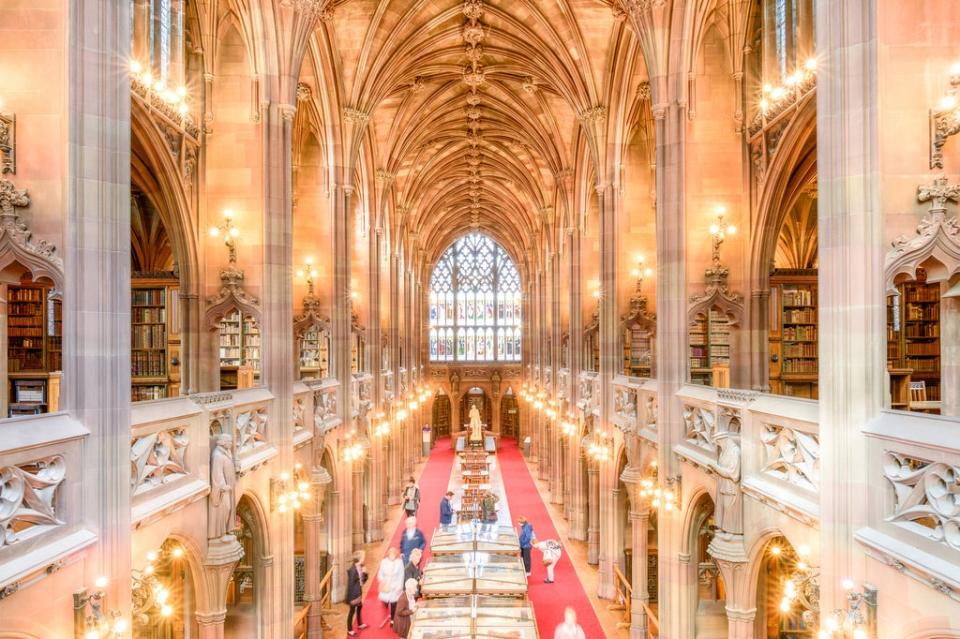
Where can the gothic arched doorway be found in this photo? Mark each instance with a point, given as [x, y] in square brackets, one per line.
[509, 415]
[440, 417]
[476, 396]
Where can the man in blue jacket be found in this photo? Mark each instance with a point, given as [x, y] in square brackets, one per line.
[446, 509]
[527, 540]
[412, 538]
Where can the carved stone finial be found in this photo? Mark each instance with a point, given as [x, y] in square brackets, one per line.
[303, 92]
[938, 193]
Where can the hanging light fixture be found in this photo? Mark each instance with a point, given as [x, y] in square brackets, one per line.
[289, 490]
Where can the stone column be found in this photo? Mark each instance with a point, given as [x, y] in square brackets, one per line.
[376, 506]
[593, 513]
[393, 479]
[579, 490]
[96, 301]
[852, 301]
[312, 536]
[950, 355]
[357, 524]
[218, 566]
[639, 542]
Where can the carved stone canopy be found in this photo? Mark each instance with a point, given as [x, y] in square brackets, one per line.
[937, 238]
[717, 295]
[231, 296]
[16, 243]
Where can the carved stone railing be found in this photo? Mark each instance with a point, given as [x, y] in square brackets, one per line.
[362, 393]
[169, 453]
[913, 515]
[647, 410]
[781, 454]
[546, 376]
[563, 384]
[699, 428]
[41, 485]
[302, 409]
[402, 387]
[326, 415]
[586, 396]
[625, 413]
[251, 424]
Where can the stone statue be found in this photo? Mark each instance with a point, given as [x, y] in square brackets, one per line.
[476, 428]
[729, 510]
[222, 508]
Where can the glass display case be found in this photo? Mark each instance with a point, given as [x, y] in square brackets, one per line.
[475, 537]
[474, 573]
[474, 617]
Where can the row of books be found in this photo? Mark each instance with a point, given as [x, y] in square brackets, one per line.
[920, 330]
[927, 312]
[25, 332]
[799, 366]
[922, 294]
[148, 363]
[24, 361]
[800, 350]
[797, 316]
[24, 320]
[798, 297]
[148, 296]
[25, 309]
[924, 365]
[149, 315]
[144, 393]
[923, 348]
[25, 295]
[149, 336]
[800, 333]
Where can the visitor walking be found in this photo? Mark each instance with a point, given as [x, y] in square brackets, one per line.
[412, 538]
[488, 507]
[390, 583]
[412, 569]
[446, 509]
[356, 577]
[569, 629]
[411, 497]
[527, 540]
[406, 606]
[551, 550]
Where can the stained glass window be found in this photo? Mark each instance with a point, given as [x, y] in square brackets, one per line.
[475, 294]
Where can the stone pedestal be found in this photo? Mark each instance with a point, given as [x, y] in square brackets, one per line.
[222, 557]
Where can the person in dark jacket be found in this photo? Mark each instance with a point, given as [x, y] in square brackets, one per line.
[411, 498]
[411, 538]
[446, 509]
[412, 569]
[406, 606]
[356, 577]
[527, 541]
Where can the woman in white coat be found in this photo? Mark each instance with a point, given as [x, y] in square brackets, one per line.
[390, 582]
[551, 550]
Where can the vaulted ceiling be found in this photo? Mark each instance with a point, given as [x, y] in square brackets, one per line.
[475, 107]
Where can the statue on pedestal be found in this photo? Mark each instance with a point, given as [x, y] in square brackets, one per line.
[222, 509]
[476, 428]
[729, 508]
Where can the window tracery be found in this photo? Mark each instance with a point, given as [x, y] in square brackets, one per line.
[474, 303]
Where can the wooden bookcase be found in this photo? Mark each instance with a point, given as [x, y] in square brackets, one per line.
[709, 344]
[637, 351]
[315, 353]
[34, 349]
[794, 333]
[913, 337]
[154, 338]
[239, 345]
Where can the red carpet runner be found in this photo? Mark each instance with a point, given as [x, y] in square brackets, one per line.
[549, 600]
[433, 484]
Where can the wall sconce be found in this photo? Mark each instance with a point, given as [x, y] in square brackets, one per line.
[660, 496]
[149, 595]
[352, 452]
[598, 447]
[640, 272]
[289, 490]
[719, 230]
[858, 620]
[8, 143]
[802, 585]
[230, 234]
[309, 273]
[89, 619]
[568, 427]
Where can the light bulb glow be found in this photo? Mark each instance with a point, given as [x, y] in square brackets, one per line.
[101, 582]
[178, 552]
[135, 66]
[152, 556]
[948, 102]
[810, 64]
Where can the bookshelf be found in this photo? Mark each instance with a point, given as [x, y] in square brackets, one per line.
[794, 333]
[637, 350]
[709, 344]
[315, 353]
[913, 336]
[154, 337]
[239, 345]
[34, 348]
